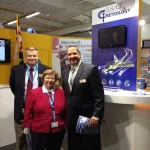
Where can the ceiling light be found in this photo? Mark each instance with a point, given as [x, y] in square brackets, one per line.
[146, 1]
[33, 14]
[142, 22]
[83, 18]
[90, 32]
[12, 22]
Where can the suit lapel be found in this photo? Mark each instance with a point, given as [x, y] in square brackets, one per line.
[40, 71]
[22, 74]
[67, 76]
[79, 73]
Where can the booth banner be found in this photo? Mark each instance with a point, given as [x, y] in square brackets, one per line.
[117, 65]
[59, 46]
[145, 66]
[117, 11]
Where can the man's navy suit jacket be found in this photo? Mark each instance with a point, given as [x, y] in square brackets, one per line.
[17, 86]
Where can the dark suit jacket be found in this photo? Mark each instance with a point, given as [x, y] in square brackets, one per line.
[87, 95]
[17, 85]
[38, 111]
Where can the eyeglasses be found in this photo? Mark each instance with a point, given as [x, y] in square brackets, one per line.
[53, 79]
[32, 49]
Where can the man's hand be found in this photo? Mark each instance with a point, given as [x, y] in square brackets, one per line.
[94, 121]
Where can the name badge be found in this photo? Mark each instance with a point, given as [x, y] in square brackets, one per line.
[23, 110]
[40, 75]
[54, 124]
[83, 81]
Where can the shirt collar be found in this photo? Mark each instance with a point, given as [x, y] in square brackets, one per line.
[30, 67]
[44, 89]
[77, 66]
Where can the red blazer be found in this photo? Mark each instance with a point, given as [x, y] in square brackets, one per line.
[38, 111]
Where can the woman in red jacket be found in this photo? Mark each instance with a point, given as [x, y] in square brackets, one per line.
[45, 114]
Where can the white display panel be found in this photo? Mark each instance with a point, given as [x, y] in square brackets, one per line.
[2, 50]
[117, 11]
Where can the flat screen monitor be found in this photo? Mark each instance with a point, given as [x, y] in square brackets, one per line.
[4, 50]
[112, 37]
[146, 44]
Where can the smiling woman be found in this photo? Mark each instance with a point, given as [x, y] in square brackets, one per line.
[49, 78]
[45, 114]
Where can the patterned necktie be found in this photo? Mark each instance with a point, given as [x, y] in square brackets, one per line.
[30, 84]
[50, 94]
[72, 77]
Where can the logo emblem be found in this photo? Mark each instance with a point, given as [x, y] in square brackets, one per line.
[101, 15]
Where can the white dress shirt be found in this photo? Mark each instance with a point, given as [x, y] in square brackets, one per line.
[35, 81]
[45, 90]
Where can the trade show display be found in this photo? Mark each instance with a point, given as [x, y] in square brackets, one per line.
[116, 49]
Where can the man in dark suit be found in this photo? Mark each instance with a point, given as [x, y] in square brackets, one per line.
[85, 97]
[23, 78]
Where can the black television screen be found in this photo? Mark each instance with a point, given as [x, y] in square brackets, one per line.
[146, 44]
[4, 50]
[113, 36]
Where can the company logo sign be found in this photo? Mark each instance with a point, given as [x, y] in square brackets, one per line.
[113, 10]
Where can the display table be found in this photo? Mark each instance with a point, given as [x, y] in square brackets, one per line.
[127, 97]
[7, 134]
[127, 126]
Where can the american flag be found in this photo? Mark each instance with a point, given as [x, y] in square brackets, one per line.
[18, 54]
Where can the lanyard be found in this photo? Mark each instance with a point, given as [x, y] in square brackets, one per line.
[51, 100]
[35, 71]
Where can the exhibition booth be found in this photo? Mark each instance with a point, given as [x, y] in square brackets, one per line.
[116, 51]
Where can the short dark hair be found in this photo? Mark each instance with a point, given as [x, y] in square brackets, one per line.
[75, 47]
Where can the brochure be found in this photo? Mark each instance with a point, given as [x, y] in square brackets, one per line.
[83, 126]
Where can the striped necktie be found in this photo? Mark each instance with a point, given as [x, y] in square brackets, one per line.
[72, 77]
[30, 83]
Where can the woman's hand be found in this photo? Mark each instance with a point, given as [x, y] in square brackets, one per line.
[26, 131]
